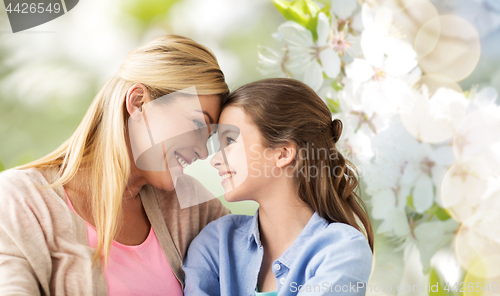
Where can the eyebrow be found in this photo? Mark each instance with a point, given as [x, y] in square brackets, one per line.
[228, 131]
[210, 119]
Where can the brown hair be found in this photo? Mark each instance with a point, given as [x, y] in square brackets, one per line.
[288, 111]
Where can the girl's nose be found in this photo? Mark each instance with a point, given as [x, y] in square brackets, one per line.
[217, 160]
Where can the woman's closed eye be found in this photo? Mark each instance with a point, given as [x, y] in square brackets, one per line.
[199, 124]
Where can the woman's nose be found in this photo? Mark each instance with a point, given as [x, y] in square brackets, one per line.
[201, 151]
[217, 161]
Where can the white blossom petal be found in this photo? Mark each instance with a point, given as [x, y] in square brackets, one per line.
[431, 236]
[278, 36]
[323, 29]
[367, 16]
[383, 97]
[296, 35]
[359, 70]
[313, 75]
[343, 9]
[443, 156]
[357, 23]
[401, 58]
[372, 44]
[382, 202]
[423, 194]
[396, 223]
[331, 62]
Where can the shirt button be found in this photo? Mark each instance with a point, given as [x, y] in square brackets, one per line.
[277, 266]
[282, 281]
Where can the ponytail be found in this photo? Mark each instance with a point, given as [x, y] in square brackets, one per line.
[332, 192]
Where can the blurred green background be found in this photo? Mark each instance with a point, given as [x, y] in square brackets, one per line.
[50, 74]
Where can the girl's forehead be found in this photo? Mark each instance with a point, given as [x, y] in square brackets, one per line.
[234, 115]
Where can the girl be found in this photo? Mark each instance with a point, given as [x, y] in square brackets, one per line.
[88, 202]
[311, 234]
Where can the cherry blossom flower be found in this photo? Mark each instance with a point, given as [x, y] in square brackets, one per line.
[305, 55]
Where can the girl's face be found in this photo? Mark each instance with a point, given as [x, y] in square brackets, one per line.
[242, 161]
[183, 138]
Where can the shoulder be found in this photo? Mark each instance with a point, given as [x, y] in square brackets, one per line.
[27, 192]
[342, 231]
[20, 183]
[340, 246]
[16, 176]
[220, 231]
[27, 207]
[225, 226]
[342, 238]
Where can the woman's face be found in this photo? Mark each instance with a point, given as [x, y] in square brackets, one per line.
[244, 164]
[181, 129]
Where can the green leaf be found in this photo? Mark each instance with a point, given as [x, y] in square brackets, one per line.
[337, 85]
[436, 287]
[442, 214]
[312, 26]
[291, 12]
[333, 105]
[325, 2]
[303, 12]
[409, 201]
[439, 212]
[148, 10]
[307, 6]
[416, 216]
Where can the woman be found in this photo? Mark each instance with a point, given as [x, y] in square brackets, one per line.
[85, 220]
[305, 237]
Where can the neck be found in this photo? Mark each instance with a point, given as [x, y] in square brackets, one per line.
[282, 217]
[81, 189]
[135, 183]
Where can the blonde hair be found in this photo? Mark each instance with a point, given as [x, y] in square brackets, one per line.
[164, 65]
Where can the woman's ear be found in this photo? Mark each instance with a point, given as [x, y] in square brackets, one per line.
[286, 157]
[137, 96]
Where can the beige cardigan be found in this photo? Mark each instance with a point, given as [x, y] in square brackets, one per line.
[43, 244]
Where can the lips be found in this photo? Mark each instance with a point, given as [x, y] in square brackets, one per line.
[226, 175]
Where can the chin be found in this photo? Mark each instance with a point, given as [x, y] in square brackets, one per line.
[162, 181]
[234, 195]
[169, 187]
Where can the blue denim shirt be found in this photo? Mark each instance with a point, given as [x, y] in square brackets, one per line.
[325, 259]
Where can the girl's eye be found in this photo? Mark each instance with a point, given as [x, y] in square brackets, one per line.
[230, 140]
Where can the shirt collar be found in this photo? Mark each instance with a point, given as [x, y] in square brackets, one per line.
[254, 234]
[315, 224]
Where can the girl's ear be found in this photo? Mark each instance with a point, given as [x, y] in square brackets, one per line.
[137, 96]
[286, 157]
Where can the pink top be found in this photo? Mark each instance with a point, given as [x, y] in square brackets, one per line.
[136, 270]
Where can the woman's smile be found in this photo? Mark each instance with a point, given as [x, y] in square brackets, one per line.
[183, 161]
